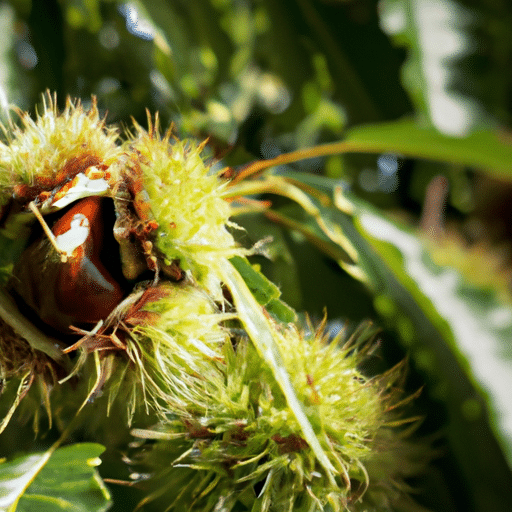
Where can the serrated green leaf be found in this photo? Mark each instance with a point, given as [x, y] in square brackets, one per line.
[453, 341]
[474, 325]
[50, 482]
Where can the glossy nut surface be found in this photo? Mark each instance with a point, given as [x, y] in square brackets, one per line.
[79, 291]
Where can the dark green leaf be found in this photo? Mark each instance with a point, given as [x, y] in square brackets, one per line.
[490, 151]
[67, 481]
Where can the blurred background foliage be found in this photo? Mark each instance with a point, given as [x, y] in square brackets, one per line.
[260, 77]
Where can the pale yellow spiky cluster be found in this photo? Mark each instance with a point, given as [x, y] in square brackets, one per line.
[235, 418]
[43, 146]
[186, 201]
[330, 382]
[179, 347]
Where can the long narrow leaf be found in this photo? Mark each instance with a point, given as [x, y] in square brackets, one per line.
[487, 150]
